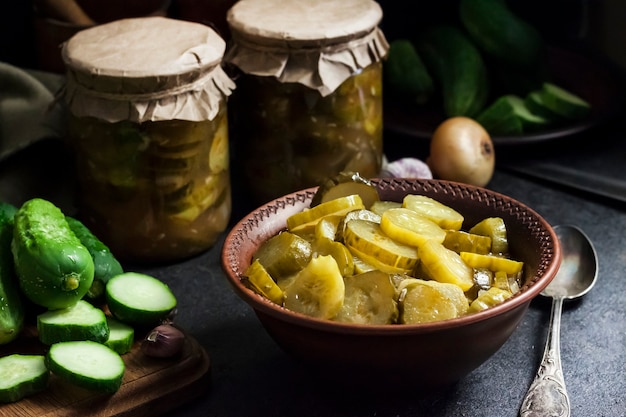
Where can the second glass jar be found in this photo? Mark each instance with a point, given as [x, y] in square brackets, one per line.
[290, 137]
[309, 100]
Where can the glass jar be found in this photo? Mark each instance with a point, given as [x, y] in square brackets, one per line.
[148, 123]
[308, 103]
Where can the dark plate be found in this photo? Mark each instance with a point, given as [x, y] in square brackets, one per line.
[582, 75]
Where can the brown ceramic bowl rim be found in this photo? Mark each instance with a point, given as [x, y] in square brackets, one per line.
[261, 304]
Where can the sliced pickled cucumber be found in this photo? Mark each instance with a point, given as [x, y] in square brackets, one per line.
[202, 196]
[318, 290]
[284, 254]
[308, 219]
[379, 207]
[424, 301]
[337, 250]
[492, 262]
[179, 151]
[445, 265]
[219, 155]
[410, 227]
[446, 217]
[361, 266]
[263, 284]
[368, 238]
[362, 214]
[461, 241]
[173, 165]
[367, 262]
[501, 280]
[495, 228]
[370, 298]
[285, 282]
[489, 298]
[327, 227]
[345, 184]
[178, 132]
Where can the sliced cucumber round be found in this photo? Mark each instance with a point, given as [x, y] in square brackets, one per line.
[82, 321]
[22, 376]
[87, 364]
[318, 290]
[139, 299]
[121, 336]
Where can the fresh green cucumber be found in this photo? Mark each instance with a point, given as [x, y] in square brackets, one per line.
[458, 68]
[87, 364]
[11, 306]
[121, 336]
[508, 115]
[406, 74]
[82, 321]
[105, 263]
[535, 103]
[53, 267]
[499, 118]
[564, 102]
[501, 34]
[22, 376]
[139, 299]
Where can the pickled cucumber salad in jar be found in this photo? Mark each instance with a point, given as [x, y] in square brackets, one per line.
[308, 103]
[146, 99]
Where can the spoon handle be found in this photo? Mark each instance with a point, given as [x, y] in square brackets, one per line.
[547, 395]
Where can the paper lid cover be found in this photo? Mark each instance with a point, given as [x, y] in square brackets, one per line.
[146, 69]
[318, 43]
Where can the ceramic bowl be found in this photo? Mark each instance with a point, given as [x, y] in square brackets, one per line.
[430, 355]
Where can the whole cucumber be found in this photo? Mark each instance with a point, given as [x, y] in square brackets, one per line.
[458, 67]
[106, 265]
[406, 74]
[501, 34]
[53, 267]
[11, 306]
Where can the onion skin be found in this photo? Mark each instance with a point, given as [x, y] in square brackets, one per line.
[164, 341]
[461, 150]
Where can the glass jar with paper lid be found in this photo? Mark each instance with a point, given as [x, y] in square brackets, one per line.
[308, 103]
[147, 106]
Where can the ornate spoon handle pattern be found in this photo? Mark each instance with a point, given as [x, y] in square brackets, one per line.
[547, 396]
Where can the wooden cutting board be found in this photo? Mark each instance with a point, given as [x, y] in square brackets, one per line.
[151, 386]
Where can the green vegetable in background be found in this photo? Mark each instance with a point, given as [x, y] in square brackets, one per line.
[508, 115]
[406, 73]
[458, 68]
[501, 34]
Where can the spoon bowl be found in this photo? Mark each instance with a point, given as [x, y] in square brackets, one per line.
[579, 265]
[577, 274]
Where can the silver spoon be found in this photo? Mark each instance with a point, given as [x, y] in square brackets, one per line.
[547, 395]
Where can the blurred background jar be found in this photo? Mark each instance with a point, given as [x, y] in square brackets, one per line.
[308, 103]
[146, 99]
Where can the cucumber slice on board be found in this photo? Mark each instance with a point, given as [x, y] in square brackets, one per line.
[87, 364]
[82, 321]
[121, 336]
[139, 299]
[22, 376]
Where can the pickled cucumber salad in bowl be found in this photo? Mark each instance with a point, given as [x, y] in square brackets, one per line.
[391, 275]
